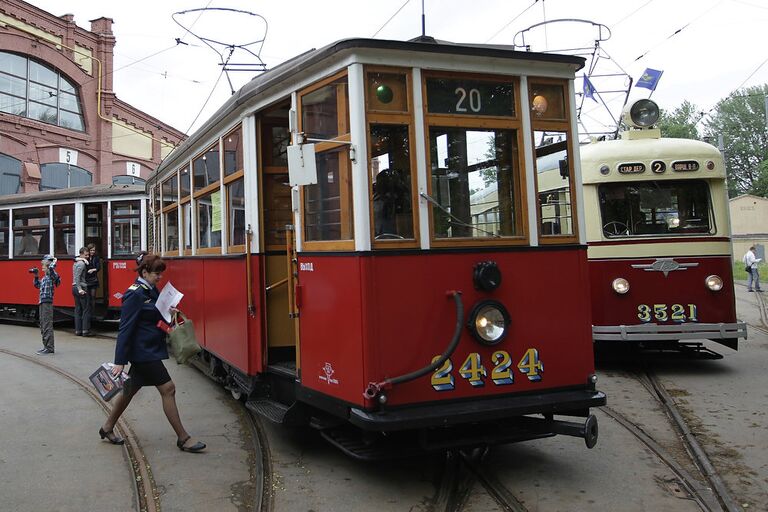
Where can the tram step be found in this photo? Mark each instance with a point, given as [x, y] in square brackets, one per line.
[273, 411]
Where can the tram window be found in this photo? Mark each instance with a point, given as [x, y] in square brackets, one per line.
[64, 230]
[30, 231]
[277, 209]
[170, 191]
[547, 101]
[233, 152]
[205, 168]
[4, 234]
[657, 207]
[391, 181]
[474, 173]
[328, 203]
[553, 183]
[171, 230]
[324, 113]
[236, 213]
[279, 137]
[126, 228]
[184, 182]
[209, 220]
[186, 221]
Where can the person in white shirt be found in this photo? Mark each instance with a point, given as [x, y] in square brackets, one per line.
[750, 265]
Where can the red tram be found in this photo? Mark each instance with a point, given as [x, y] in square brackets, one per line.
[361, 246]
[659, 240]
[59, 222]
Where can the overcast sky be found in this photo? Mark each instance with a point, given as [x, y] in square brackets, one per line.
[706, 48]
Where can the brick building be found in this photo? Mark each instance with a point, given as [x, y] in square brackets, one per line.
[61, 123]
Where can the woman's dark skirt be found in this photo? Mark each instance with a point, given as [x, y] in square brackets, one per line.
[151, 373]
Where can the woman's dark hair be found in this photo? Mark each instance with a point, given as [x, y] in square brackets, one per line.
[149, 262]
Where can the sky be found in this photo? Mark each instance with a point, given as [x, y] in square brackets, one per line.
[705, 48]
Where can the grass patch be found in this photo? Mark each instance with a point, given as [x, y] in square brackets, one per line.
[739, 274]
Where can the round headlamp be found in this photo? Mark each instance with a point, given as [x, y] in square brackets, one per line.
[714, 283]
[642, 114]
[488, 322]
[620, 285]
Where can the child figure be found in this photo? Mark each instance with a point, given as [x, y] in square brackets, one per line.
[46, 285]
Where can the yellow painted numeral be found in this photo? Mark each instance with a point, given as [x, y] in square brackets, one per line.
[473, 370]
[660, 312]
[501, 373]
[442, 380]
[531, 366]
[644, 313]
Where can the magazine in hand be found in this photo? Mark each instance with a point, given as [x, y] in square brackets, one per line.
[107, 384]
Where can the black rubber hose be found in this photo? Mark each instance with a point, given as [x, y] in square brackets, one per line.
[448, 351]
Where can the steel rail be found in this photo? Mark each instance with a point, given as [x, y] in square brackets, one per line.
[146, 492]
[260, 469]
[500, 494]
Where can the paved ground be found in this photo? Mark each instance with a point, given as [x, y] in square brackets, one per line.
[51, 457]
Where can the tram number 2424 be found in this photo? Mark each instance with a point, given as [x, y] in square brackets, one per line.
[473, 370]
[663, 312]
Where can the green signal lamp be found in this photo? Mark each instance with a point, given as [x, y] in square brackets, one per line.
[384, 93]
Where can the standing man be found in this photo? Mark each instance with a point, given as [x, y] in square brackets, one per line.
[751, 260]
[46, 285]
[80, 292]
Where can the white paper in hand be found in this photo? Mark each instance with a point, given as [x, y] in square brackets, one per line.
[169, 298]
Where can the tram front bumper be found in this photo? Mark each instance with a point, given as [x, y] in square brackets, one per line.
[656, 332]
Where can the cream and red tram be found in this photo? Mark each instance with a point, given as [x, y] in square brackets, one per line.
[659, 239]
[60, 222]
[359, 242]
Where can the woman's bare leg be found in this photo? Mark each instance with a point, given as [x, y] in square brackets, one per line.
[168, 395]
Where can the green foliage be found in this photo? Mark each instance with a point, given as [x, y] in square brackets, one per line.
[739, 274]
[740, 119]
[681, 123]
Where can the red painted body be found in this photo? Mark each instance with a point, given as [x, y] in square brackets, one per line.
[377, 317]
[679, 287]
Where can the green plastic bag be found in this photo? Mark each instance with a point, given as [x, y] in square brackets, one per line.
[182, 339]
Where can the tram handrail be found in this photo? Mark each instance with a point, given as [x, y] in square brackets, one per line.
[374, 388]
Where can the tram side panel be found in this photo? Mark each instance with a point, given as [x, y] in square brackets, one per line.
[18, 289]
[398, 306]
[120, 275]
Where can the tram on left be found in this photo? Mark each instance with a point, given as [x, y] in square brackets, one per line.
[59, 222]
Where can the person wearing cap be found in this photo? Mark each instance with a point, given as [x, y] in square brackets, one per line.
[46, 285]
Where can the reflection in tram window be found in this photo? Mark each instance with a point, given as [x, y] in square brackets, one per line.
[233, 152]
[206, 168]
[30, 231]
[184, 182]
[4, 234]
[675, 207]
[209, 220]
[64, 230]
[126, 228]
[277, 209]
[321, 118]
[474, 181]
[328, 205]
[171, 230]
[186, 219]
[391, 182]
[236, 212]
[553, 183]
[170, 191]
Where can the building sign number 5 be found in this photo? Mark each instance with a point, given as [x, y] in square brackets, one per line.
[67, 156]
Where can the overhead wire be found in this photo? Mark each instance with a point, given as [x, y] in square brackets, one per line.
[511, 21]
[390, 18]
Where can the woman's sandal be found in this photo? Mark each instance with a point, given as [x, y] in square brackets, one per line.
[195, 448]
[110, 436]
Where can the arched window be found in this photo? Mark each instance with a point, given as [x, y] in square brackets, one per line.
[32, 89]
[10, 174]
[57, 175]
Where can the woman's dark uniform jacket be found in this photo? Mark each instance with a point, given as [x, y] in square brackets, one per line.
[139, 339]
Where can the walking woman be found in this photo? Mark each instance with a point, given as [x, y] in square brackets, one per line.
[142, 343]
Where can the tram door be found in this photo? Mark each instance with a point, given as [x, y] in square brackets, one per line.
[95, 217]
[276, 214]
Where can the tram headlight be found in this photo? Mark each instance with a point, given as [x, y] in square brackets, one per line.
[488, 322]
[641, 114]
[620, 285]
[714, 283]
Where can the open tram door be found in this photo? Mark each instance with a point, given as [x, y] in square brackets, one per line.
[95, 221]
[278, 242]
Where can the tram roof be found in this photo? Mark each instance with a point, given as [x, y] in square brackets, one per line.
[273, 77]
[106, 191]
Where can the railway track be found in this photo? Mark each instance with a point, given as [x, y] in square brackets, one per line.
[146, 491]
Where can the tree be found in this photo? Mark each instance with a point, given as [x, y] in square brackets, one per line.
[740, 119]
[681, 123]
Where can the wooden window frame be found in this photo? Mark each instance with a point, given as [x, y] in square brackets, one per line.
[345, 170]
[174, 208]
[563, 125]
[469, 122]
[113, 217]
[63, 225]
[393, 118]
[240, 248]
[263, 135]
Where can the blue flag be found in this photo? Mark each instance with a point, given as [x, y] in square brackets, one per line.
[589, 89]
[650, 79]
